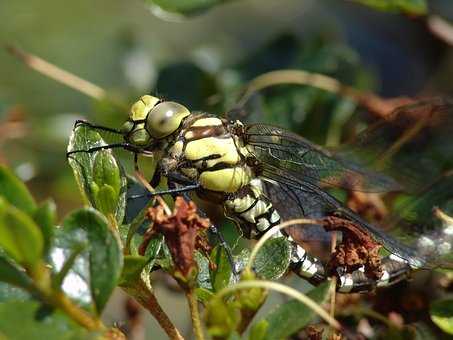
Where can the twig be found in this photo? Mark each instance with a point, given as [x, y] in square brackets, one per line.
[50, 70]
[84, 319]
[372, 102]
[148, 300]
[194, 314]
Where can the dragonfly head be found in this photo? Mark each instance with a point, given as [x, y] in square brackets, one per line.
[151, 119]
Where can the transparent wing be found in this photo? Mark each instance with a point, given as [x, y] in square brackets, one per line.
[413, 144]
[315, 202]
[309, 162]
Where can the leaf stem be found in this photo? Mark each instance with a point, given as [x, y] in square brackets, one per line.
[366, 99]
[195, 314]
[44, 288]
[76, 313]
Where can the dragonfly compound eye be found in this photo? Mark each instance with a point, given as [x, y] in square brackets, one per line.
[165, 118]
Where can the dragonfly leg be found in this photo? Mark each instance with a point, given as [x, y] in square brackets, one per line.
[126, 146]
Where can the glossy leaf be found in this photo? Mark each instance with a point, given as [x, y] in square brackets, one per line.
[45, 217]
[273, 259]
[75, 282]
[414, 7]
[184, 7]
[18, 320]
[203, 276]
[105, 256]
[442, 314]
[20, 237]
[100, 177]
[290, 316]
[15, 192]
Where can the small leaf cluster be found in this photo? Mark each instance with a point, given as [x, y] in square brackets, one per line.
[56, 278]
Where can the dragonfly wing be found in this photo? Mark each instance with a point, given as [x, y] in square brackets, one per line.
[292, 153]
[321, 203]
[413, 144]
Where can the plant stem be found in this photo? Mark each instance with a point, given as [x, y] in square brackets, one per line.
[314, 306]
[194, 314]
[80, 316]
[58, 74]
[44, 288]
[143, 294]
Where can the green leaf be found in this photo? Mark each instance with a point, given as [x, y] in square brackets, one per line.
[18, 321]
[203, 276]
[184, 7]
[15, 192]
[105, 256]
[221, 276]
[10, 293]
[20, 237]
[222, 318]
[289, 317]
[12, 274]
[136, 266]
[273, 258]
[99, 176]
[414, 7]
[203, 294]
[132, 269]
[442, 314]
[259, 330]
[45, 216]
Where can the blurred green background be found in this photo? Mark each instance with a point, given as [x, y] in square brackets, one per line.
[203, 61]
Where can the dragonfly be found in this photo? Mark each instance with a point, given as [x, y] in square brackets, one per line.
[262, 175]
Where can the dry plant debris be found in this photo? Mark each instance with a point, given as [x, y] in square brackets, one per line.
[182, 231]
[357, 248]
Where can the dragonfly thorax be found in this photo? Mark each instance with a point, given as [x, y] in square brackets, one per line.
[206, 151]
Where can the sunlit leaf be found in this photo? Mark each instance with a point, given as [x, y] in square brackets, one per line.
[100, 177]
[289, 317]
[15, 192]
[442, 314]
[273, 259]
[203, 276]
[105, 256]
[20, 237]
